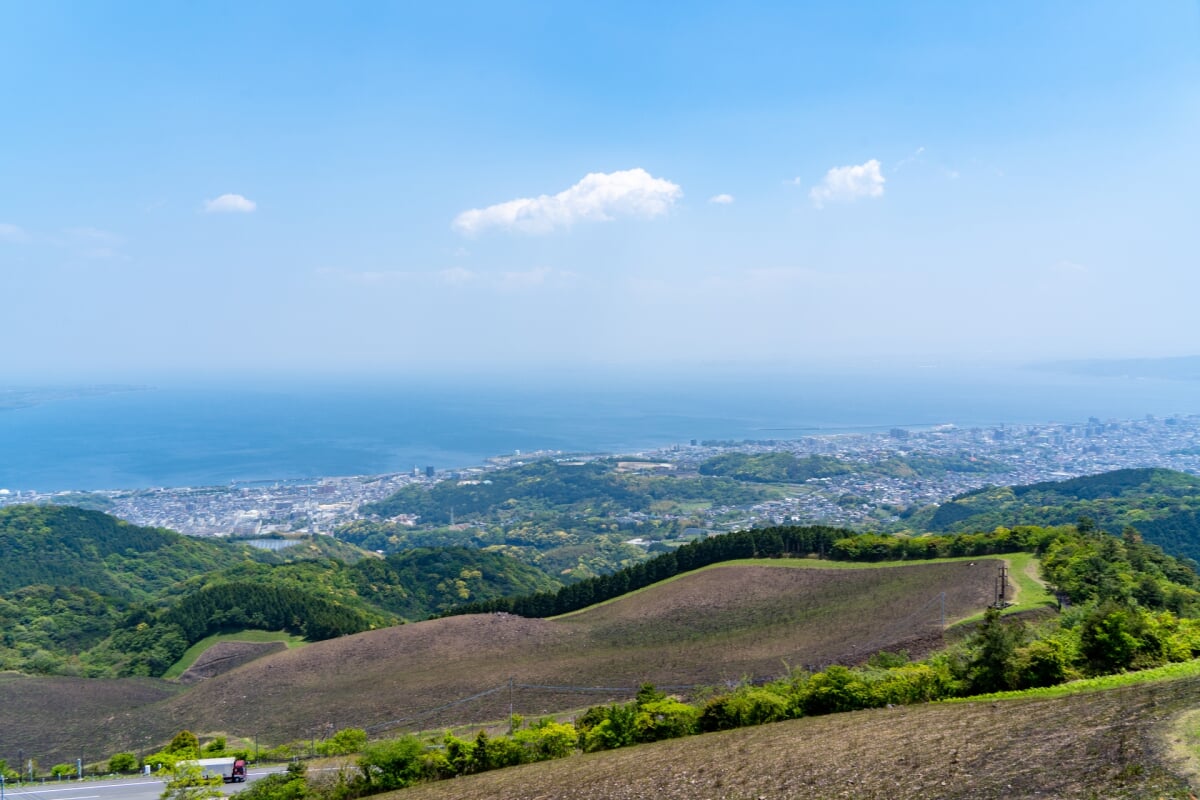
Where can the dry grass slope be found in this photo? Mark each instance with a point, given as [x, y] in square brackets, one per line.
[708, 627]
[1099, 745]
[705, 628]
[53, 719]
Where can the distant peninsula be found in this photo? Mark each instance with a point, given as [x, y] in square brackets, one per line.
[1176, 368]
[12, 398]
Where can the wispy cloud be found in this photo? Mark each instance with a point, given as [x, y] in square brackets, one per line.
[12, 233]
[721, 199]
[453, 279]
[525, 279]
[598, 197]
[95, 243]
[910, 159]
[457, 276]
[230, 204]
[847, 184]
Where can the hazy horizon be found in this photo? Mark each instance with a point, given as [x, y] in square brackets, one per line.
[389, 189]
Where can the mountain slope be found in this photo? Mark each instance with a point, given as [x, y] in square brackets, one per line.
[66, 546]
[1162, 504]
[708, 627]
[1107, 744]
[84, 593]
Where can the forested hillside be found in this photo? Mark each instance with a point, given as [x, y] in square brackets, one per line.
[88, 594]
[787, 468]
[573, 520]
[65, 546]
[1162, 504]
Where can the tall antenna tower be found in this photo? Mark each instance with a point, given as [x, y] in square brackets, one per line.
[1002, 586]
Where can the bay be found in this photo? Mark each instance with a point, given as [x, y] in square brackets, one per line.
[196, 435]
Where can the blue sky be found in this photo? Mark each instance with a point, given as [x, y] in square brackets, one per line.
[392, 188]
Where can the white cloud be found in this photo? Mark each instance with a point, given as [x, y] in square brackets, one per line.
[12, 233]
[95, 243]
[457, 276]
[452, 279]
[721, 199]
[96, 236]
[846, 184]
[230, 203]
[904, 162]
[525, 279]
[598, 197]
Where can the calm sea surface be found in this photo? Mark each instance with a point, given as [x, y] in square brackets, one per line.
[190, 436]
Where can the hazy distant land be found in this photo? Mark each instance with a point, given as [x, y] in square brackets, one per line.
[1178, 368]
[13, 398]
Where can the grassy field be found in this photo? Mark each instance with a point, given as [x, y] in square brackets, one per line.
[195, 651]
[1086, 745]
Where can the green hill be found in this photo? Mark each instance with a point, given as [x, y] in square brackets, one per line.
[787, 468]
[84, 593]
[571, 519]
[66, 546]
[1162, 504]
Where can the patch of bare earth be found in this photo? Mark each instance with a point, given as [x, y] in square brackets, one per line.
[52, 719]
[1100, 745]
[224, 656]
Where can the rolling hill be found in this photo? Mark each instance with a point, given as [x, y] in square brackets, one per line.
[84, 593]
[707, 627]
[1162, 504]
[1110, 744]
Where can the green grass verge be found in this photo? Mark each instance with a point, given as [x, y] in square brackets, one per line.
[1167, 672]
[192, 653]
[1031, 593]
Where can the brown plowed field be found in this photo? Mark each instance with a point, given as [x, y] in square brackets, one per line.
[1109, 745]
[53, 720]
[712, 626]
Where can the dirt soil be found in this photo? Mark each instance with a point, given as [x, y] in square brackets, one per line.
[1084, 747]
[224, 656]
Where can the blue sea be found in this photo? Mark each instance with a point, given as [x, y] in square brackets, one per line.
[196, 435]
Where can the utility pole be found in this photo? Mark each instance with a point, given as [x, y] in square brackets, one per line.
[943, 611]
[510, 705]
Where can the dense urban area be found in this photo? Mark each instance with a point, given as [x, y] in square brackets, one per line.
[1011, 454]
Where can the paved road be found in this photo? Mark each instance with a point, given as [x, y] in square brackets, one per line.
[119, 789]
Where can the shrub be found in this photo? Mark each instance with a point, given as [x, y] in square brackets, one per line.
[665, 719]
[835, 689]
[391, 763]
[122, 762]
[747, 706]
[548, 739]
[344, 742]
